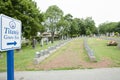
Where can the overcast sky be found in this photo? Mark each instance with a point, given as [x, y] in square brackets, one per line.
[100, 10]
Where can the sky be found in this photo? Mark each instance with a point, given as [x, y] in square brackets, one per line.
[100, 10]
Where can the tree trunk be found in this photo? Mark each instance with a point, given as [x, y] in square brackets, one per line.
[52, 36]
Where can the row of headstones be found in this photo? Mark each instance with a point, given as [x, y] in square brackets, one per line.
[50, 49]
[90, 52]
[41, 55]
[118, 40]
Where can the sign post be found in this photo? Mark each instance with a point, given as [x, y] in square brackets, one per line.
[10, 39]
[10, 65]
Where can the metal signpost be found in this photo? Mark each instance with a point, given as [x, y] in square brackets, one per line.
[10, 39]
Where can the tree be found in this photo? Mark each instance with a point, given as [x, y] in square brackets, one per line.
[68, 19]
[117, 29]
[27, 12]
[53, 15]
[88, 32]
[90, 25]
[63, 28]
[74, 29]
[77, 26]
[82, 27]
[108, 27]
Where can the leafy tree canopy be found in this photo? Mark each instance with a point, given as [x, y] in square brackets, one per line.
[27, 12]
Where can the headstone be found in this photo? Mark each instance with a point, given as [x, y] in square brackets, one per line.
[107, 34]
[41, 44]
[52, 47]
[37, 55]
[49, 49]
[34, 43]
[93, 59]
[46, 41]
[112, 34]
[42, 52]
[55, 46]
[46, 51]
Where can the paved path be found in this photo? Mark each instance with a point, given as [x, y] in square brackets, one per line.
[85, 74]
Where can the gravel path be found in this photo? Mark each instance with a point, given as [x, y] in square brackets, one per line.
[85, 74]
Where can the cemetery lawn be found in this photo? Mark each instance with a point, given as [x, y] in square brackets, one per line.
[109, 54]
[23, 58]
[71, 56]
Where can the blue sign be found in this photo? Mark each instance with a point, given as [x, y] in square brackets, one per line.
[10, 33]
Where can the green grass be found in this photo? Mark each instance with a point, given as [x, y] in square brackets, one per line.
[62, 50]
[68, 68]
[55, 54]
[23, 58]
[76, 47]
[103, 51]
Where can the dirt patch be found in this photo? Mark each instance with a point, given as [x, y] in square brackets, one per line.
[73, 57]
[101, 64]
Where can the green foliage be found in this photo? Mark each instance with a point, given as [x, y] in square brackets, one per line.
[74, 27]
[116, 34]
[118, 27]
[90, 25]
[64, 26]
[52, 16]
[108, 27]
[27, 12]
[68, 20]
[88, 32]
[82, 26]
[77, 26]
